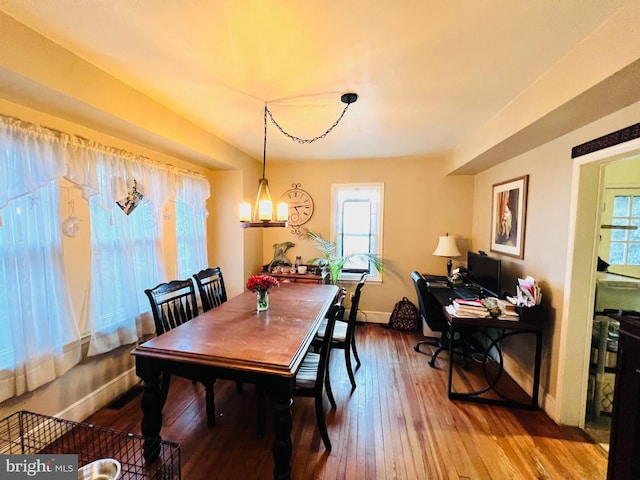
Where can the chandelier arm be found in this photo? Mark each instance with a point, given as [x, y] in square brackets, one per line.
[298, 139]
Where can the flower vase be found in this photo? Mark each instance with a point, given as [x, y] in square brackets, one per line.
[263, 301]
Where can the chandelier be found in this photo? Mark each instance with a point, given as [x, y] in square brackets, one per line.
[262, 214]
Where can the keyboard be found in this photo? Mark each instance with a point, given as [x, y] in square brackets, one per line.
[466, 293]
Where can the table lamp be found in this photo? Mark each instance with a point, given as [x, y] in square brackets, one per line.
[447, 248]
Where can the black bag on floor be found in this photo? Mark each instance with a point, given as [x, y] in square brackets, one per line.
[405, 316]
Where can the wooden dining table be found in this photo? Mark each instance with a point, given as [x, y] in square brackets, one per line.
[233, 341]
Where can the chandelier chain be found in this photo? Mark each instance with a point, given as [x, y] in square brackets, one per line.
[305, 140]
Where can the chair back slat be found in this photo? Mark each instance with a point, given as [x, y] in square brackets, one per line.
[355, 305]
[172, 304]
[325, 348]
[211, 287]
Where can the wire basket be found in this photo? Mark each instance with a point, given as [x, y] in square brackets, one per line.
[27, 433]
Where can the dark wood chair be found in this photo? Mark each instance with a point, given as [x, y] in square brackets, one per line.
[432, 313]
[173, 304]
[212, 293]
[310, 378]
[344, 334]
[211, 287]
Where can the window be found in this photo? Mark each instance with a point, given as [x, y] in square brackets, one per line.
[625, 244]
[36, 319]
[191, 237]
[125, 251]
[357, 226]
[622, 208]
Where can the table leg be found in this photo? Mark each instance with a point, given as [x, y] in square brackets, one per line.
[151, 403]
[536, 371]
[281, 394]
[451, 336]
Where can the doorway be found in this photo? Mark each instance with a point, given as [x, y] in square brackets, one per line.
[617, 288]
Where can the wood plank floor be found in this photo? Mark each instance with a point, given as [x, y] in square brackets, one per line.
[397, 424]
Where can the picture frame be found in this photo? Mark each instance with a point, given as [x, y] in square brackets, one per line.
[508, 216]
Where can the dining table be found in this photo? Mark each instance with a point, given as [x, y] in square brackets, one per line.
[234, 341]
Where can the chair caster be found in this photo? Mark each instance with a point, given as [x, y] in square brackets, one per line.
[417, 347]
[432, 363]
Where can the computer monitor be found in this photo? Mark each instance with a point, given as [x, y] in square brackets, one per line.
[484, 271]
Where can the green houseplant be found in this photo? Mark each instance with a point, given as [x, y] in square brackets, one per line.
[334, 262]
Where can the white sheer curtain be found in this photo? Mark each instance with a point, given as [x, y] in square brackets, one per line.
[38, 335]
[191, 231]
[30, 157]
[39, 340]
[125, 249]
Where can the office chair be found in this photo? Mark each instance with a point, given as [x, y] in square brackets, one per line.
[173, 304]
[432, 313]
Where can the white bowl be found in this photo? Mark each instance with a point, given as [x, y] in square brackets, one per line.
[103, 469]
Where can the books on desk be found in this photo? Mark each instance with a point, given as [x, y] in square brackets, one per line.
[476, 309]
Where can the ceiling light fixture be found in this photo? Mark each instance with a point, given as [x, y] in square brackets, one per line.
[263, 214]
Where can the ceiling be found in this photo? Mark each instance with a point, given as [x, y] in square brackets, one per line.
[428, 73]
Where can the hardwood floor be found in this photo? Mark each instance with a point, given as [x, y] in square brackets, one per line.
[397, 424]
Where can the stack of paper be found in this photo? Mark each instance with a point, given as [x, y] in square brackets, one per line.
[476, 309]
[471, 308]
[529, 293]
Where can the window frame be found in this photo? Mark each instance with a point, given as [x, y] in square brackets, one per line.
[338, 193]
[608, 217]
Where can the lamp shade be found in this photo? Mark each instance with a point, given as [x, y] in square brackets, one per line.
[447, 247]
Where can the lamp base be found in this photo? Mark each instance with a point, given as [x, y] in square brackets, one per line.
[449, 266]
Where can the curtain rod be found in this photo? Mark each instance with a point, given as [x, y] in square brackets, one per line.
[78, 140]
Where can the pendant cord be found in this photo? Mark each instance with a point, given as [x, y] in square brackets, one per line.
[304, 140]
[264, 146]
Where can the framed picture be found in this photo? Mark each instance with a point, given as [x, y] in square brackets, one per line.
[508, 216]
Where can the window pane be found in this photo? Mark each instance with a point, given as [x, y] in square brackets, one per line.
[619, 235]
[634, 254]
[616, 253]
[621, 205]
[635, 209]
[353, 244]
[356, 217]
[634, 235]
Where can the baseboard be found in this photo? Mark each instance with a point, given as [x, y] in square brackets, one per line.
[373, 317]
[97, 399]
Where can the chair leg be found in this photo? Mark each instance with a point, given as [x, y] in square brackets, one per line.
[322, 426]
[347, 359]
[210, 404]
[327, 387]
[355, 351]
[432, 361]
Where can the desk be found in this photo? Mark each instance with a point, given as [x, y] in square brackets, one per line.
[234, 342]
[494, 331]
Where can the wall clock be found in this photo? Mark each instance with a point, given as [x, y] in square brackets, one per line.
[300, 205]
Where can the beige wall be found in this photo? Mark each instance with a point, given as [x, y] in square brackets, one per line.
[559, 252]
[420, 205]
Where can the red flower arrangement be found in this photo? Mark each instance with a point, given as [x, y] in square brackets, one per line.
[261, 283]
